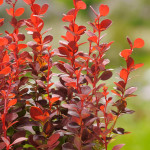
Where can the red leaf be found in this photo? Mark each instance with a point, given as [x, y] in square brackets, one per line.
[105, 24]
[80, 5]
[6, 57]
[40, 83]
[130, 62]
[118, 147]
[54, 99]
[12, 46]
[104, 10]
[71, 84]
[48, 39]
[37, 37]
[12, 102]
[129, 41]
[106, 75]
[68, 18]
[35, 111]
[102, 107]
[138, 43]
[137, 66]
[36, 9]
[3, 41]
[116, 92]
[124, 74]
[44, 9]
[43, 117]
[10, 11]
[29, 2]
[1, 2]
[2, 145]
[126, 53]
[21, 46]
[19, 12]
[21, 37]
[5, 71]
[53, 139]
[93, 39]
[1, 21]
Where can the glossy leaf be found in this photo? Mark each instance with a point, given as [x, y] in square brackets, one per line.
[35, 111]
[54, 99]
[48, 39]
[105, 24]
[19, 140]
[12, 102]
[130, 90]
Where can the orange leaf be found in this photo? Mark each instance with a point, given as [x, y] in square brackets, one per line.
[68, 18]
[19, 12]
[80, 5]
[34, 112]
[53, 100]
[138, 43]
[93, 39]
[1, 2]
[126, 53]
[102, 107]
[5, 71]
[137, 66]
[104, 10]
[29, 2]
[124, 74]
[12, 102]
[10, 11]
[3, 41]
[21, 46]
[6, 57]
[42, 117]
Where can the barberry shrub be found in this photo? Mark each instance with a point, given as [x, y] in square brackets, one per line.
[77, 111]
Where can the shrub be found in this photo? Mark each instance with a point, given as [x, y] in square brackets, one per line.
[77, 112]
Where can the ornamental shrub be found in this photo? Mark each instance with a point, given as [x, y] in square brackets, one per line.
[75, 113]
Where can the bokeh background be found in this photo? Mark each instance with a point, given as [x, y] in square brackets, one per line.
[130, 18]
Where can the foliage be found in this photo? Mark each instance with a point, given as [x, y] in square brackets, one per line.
[77, 112]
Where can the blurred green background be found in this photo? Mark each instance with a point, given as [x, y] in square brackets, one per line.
[130, 18]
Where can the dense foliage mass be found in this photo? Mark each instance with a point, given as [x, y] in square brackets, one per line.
[77, 111]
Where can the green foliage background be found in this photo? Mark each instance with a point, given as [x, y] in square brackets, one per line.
[130, 18]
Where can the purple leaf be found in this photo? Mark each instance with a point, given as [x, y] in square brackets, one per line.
[106, 75]
[19, 140]
[130, 90]
[118, 147]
